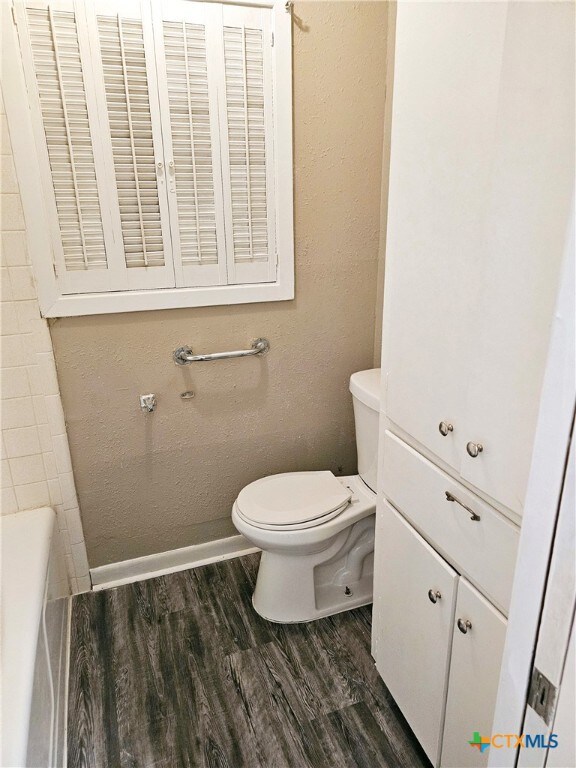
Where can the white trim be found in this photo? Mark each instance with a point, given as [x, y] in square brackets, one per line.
[67, 679]
[283, 160]
[168, 298]
[161, 563]
[545, 483]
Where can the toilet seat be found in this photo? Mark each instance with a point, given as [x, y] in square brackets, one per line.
[298, 526]
[293, 500]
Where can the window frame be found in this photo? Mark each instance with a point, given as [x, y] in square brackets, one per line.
[27, 162]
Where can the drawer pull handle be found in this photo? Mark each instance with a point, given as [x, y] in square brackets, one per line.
[474, 449]
[434, 595]
[473, 515]
[444, 428]
[464, 625]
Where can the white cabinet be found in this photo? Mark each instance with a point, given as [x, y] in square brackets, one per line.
[481, 181]
[480, 198]
[442, 672]
[416, 607]
[474, 672]
[474, 538]
[446, 75]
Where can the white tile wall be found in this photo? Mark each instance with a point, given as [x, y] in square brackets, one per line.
[36, 469]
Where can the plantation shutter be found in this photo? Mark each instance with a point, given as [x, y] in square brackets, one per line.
[127, 90]
[69, 145]
[246, 121]
[187, 70]
[154, 122]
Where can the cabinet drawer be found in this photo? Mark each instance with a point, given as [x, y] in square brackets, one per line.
[484, 550]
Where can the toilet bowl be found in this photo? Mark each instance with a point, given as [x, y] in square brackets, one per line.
[316, 530]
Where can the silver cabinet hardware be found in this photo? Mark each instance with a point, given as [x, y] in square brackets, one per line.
[148, 403]
[444, 428]
[184, 356]
[474, 449]
[473, 515]
[464, 625]
[434, 595]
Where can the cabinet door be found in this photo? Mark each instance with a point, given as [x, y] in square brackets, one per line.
[474, 676]
[525, 233]
[446, 87]
[413, 647]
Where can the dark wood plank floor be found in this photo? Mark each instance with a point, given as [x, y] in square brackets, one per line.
[180, 672]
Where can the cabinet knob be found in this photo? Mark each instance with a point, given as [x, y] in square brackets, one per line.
[444, 428]
[464, 625]
[474, 449]
[434, 595]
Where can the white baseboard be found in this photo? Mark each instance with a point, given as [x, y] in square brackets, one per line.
[140, 568]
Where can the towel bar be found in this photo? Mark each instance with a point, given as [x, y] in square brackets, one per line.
[184, 356]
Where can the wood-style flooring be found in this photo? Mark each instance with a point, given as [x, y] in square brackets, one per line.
[180, 672]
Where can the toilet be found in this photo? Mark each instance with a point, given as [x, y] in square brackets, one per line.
[316, 530]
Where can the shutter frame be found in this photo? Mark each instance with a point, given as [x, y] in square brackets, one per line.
[237, 17]
[135, 277]
[68, 281]
[188, 273]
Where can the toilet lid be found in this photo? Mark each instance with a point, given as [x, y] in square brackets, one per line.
[292, 498]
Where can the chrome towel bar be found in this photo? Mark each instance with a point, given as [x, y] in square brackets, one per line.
[183, 355]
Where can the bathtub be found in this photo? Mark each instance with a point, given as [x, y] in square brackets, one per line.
[34, 641]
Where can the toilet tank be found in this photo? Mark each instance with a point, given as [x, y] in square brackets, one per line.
[365, 389]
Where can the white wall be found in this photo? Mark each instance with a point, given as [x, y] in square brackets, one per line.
[36, 468]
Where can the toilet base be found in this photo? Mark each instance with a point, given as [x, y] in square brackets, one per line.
[300, 588]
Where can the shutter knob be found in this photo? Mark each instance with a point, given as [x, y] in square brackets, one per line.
[434, 595]
[444, 428]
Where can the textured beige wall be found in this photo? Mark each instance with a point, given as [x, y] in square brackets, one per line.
[149, 483]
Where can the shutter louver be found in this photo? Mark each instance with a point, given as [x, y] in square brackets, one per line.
[57, 64]
[245, 107]
[187, 78]
[127, 96]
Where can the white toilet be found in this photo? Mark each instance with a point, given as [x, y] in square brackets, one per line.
[316, 530]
